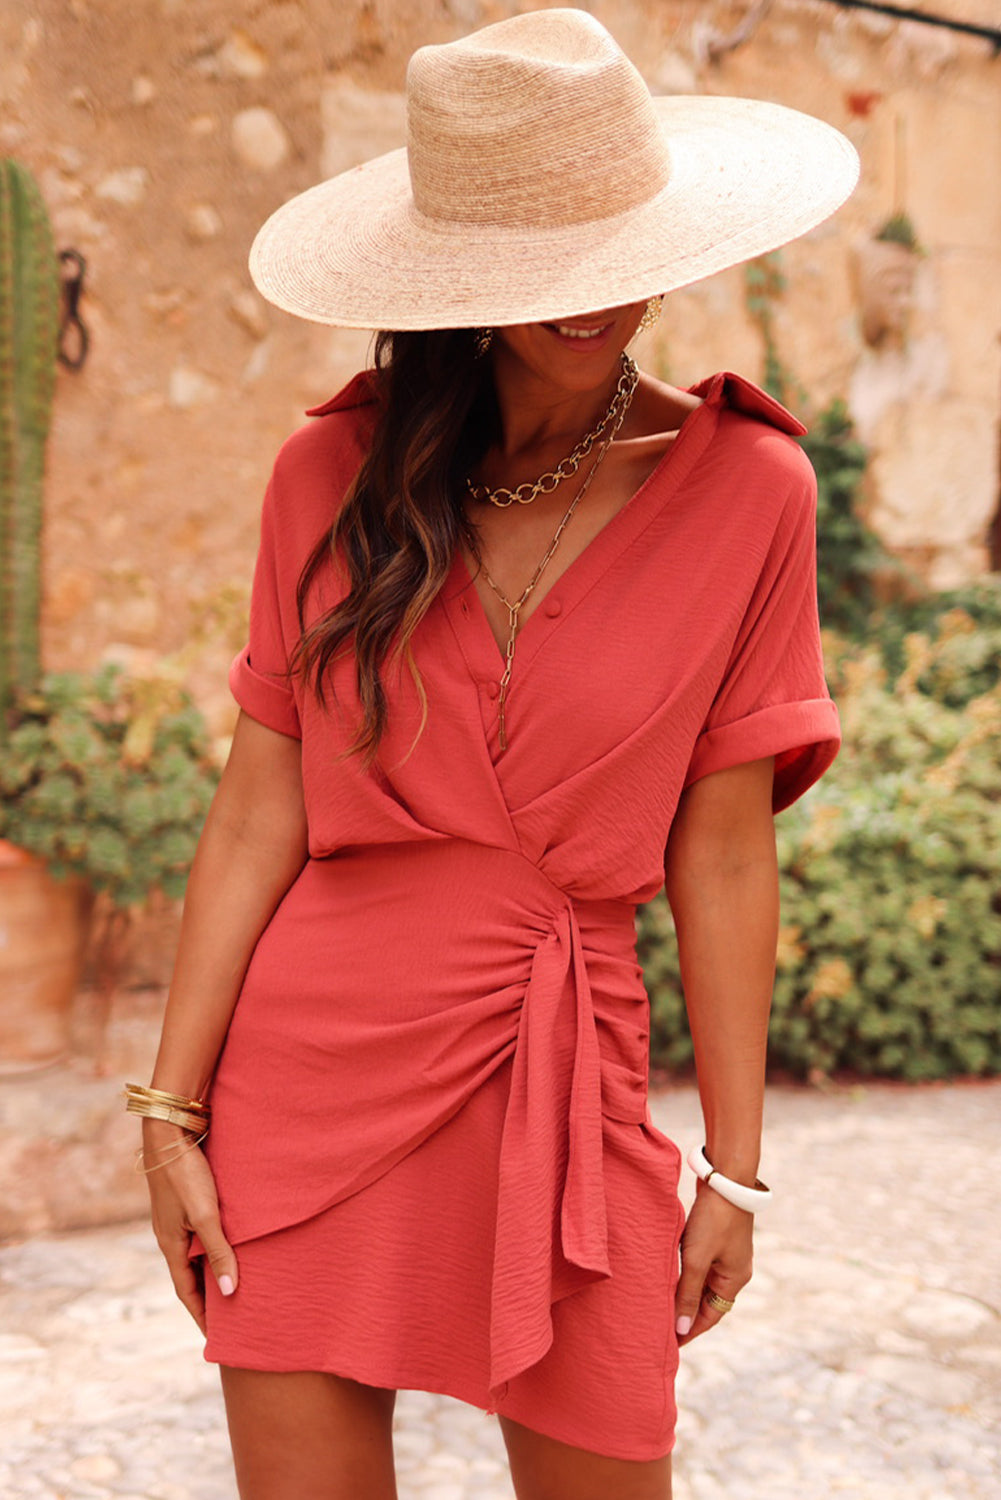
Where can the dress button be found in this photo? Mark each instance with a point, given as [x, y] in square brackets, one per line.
[553, 607]
[493, 688]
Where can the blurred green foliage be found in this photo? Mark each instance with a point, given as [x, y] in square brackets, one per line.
[851, 559]
[108, 778]
[889, 959]
[899, 230]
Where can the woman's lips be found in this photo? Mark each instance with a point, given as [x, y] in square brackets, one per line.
[580, 336]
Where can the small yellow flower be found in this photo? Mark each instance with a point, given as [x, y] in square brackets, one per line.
[832, 980]
[955, 622]
[926, 913]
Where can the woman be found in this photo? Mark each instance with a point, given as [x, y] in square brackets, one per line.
[529, 630]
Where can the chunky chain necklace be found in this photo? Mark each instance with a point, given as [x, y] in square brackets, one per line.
[514, 607]
[524, 494]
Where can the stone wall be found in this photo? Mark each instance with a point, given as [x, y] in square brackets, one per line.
[163, 133]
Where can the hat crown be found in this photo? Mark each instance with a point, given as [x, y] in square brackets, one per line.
[538, 120]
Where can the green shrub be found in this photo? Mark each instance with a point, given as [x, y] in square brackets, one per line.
[108, 779]
[850, 556]
[889, 958]
[963, 624]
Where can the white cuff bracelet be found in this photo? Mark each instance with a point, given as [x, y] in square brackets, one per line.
[750, 1199]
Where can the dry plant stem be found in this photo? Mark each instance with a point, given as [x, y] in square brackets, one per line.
[111, 949]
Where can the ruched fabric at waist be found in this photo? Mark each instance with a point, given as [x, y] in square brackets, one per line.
[392, 982]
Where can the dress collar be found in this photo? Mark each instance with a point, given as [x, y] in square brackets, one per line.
[358, 392]
[724, 389]
[733, 391]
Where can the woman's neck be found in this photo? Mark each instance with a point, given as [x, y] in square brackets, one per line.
[537, 416]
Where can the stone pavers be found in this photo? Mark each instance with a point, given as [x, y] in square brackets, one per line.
[864, 1360]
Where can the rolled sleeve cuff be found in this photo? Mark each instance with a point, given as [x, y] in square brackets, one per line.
[268, 699]
[803, 737]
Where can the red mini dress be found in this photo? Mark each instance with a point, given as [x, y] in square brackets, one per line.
[430, 1126]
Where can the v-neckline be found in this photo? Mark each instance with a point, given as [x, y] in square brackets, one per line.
[583, 571]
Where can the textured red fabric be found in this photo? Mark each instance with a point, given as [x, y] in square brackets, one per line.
[465, 924]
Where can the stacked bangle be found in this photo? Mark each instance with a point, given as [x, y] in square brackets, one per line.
[750, 1199]
[156, 1104]
[169, 1153]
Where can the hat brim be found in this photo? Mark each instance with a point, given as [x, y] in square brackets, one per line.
[746, 177]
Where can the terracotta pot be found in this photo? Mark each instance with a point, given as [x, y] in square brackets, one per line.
[43, 937]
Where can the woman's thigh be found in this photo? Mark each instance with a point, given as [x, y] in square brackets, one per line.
[302, 1434]
[544, 1469]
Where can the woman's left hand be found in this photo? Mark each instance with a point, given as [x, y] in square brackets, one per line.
[716, 1252]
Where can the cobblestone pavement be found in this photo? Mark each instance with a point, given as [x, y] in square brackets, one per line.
[863, 1360]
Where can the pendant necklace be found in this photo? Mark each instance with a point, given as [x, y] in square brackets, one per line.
[514, 607]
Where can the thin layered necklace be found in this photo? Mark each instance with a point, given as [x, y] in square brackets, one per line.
[603, 434]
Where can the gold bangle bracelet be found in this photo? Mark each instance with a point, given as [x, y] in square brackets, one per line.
[175, 1109]
[180, 1149]
[186, 1118]
[162, 1096]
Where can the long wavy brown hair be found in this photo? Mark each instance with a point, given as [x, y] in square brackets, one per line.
[403, 518]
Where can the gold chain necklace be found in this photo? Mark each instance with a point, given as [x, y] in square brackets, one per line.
[524, 494]
[514, 608]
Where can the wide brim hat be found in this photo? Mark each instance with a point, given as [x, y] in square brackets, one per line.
[541, 180]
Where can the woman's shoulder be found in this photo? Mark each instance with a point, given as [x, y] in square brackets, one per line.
[329, 447]
[756, 438]
[746, 430]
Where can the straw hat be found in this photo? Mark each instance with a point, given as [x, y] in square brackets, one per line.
[541, 180]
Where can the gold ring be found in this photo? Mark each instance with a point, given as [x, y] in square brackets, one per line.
[718, 1303]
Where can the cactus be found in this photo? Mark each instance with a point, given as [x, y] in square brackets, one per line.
[29, 339]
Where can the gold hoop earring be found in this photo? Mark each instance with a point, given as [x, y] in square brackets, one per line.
[483, 338]
[650, 314]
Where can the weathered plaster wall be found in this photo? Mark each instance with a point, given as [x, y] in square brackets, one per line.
[164, 132]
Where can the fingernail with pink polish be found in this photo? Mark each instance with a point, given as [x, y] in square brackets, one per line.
[226, 1286]
[684, 1326]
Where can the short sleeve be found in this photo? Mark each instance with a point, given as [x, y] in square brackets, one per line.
[259, 678]
[773, 698]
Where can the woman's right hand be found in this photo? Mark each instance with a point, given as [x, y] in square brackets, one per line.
[184, 1202]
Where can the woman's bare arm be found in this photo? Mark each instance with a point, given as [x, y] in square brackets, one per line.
[722, 883]
[252, 848]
